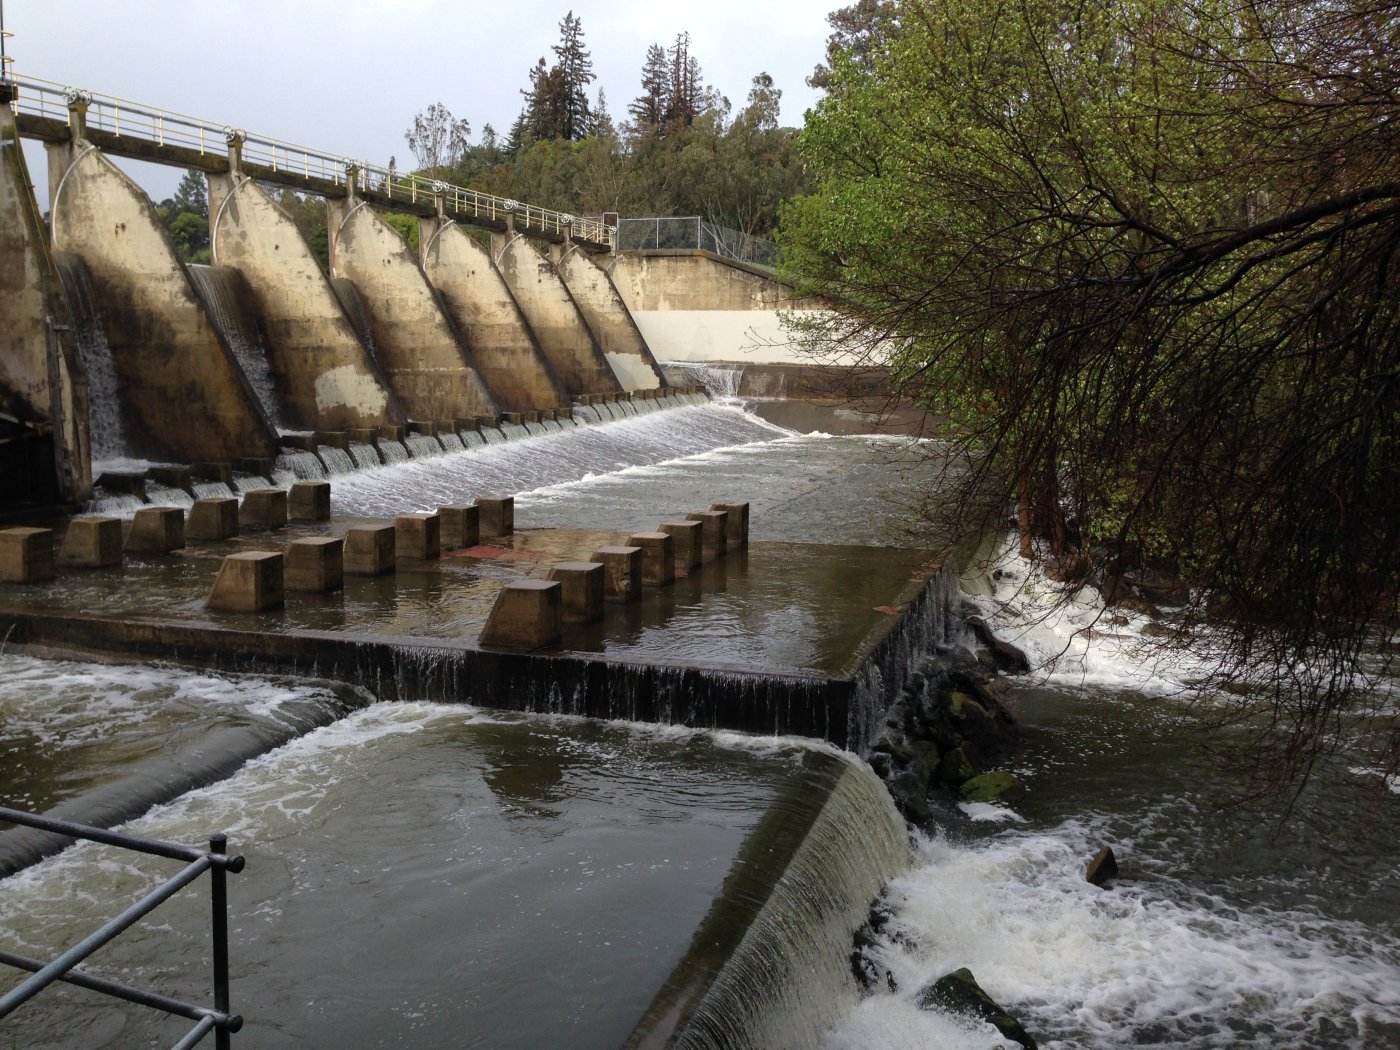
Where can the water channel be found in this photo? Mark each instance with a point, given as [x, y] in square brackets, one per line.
[428, 875]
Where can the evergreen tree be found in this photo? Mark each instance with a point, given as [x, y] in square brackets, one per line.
[649, 109]
[572, 112]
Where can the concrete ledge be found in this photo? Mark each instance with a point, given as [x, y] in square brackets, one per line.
[26, 555]
[737, 525]
[580, 590]
[213, 519]
[416, 537]
[156, 530]
[369, 550]
[316, 565]
[250, 581]
[690, 549]
[714, 526]
[92, 543]
[459, 526]
[496, 516]
[658, 557]
[622, 572]
[526, 616]
[311, 500]
[263, 510]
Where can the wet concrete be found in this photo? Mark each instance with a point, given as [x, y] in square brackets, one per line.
[770, 638]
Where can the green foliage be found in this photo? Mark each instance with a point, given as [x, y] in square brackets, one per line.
[406, 225]
[186, 218]
[1142, 258]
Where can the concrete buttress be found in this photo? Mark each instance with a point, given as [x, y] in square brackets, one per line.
[607, 315]
[175, 374]
[555, 318]
[427, 366]
[326, 377]
[476, 295]
[44, 452]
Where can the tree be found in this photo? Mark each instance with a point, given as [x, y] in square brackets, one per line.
[1142, 257]
[648, 110]
[185, 215]
[437, 139]
[575, 65]
[858, 32]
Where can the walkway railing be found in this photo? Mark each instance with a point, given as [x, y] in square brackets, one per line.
[162, 127]
[215, 860]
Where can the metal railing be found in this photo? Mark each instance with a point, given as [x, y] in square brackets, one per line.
[215, 861]
[122, 117]
[693, 231]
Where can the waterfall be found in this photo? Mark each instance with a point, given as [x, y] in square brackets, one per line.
[364, 455]
[514, 431]
[472, 439]
[303, 466]
[421, 446]
[492, 436]
[536, 429]
[451, 442]
[336, 461]
[722, 382]
[228, 301]
[393, 451]
[769, 968]
[211, 490]
[105, 427]
[354, 307]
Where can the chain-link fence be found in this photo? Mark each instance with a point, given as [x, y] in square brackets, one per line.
[692, 231]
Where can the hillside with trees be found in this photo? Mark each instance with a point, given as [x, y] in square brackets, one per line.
[1142, 258]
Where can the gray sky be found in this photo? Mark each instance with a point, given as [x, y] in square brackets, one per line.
[347, 76]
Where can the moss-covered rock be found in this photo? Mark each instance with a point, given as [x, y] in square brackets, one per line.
[990, 787]
[958, 992]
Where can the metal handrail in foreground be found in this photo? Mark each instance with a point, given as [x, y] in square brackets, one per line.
[215, 860]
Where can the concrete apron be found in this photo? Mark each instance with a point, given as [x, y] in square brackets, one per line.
[413, 634]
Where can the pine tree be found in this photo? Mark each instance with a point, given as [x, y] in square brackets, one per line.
[575, 73]
[649, 109]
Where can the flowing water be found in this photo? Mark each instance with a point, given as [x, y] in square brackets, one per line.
[227, 299]
[106, 426]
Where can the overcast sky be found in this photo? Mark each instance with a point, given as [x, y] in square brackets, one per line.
[347, 76]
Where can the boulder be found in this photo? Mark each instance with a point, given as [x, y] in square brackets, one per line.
[1004, 655]
[989, 787]
[1103, 869]
[958, 992]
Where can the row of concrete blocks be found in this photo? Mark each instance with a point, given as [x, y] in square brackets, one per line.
[27, 555]
[530, 613]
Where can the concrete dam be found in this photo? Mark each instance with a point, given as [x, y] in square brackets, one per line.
[528, 665]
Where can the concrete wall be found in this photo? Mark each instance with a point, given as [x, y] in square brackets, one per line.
[622, 342]
[695, 306]
[30, 294]
[476, 296]
[554, 317]
[326, 378]
[175, 376]
[429, 369]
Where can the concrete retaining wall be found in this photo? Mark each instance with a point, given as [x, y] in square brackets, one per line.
[427, 366]
[30, 294]
[476, 296]
[558, 324]
[175, 375]
[326, 377]
[696, 306]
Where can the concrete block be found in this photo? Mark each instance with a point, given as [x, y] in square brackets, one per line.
[299, 442]
[459, 526]
[496, 516]
[250, 581]
[690, 546]
[26, 555]
[416, 537]
[369, 550]
[391, 433]
[622, 572]
[257, 466]
[316, 564]
[333, 439]
[426, 427]
[737, 527]
[309, 501]
[580, 590]
[156, 530]
[263, 510]
[658, 557]
[173, 477]
[215, 518]
[217, 472]
[526, 616]
[714, 525]
[92, 543]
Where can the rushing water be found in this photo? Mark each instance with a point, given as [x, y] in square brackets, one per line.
[227, 299]
[106, 426]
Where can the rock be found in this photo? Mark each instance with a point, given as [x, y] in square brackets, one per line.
[1103, 868]
[958, 992]
[1007, 657]
[989, 787]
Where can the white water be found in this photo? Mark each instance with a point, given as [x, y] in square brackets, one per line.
[105, 427]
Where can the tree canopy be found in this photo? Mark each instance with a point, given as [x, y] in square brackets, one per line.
[1141, 256]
